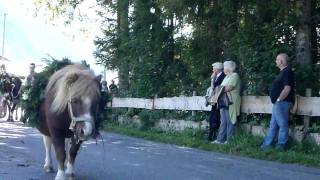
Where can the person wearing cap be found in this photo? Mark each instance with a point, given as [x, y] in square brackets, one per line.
[228, 115]
[217, 77]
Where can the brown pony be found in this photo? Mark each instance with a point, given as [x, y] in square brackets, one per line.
[68, 115]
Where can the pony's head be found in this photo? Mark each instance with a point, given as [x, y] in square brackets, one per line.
[76, 90]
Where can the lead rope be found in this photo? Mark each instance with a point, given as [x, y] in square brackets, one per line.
[73, 123]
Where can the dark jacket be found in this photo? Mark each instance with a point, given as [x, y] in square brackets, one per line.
[219, 80]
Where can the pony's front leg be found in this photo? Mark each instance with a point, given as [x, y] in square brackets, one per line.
[59, 147]
[48, 161]
[71, 159]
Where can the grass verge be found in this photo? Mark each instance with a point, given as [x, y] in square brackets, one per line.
[242, 145]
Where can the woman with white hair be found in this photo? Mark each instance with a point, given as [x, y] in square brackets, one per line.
[214, 119]
[228, 114]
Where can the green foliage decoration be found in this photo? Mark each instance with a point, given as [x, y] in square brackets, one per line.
[33, 96]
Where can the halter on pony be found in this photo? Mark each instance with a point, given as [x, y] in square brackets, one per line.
[74, 119]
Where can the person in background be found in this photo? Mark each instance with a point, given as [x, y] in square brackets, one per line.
[3, 69]
[113, 88]
[29, 83]
[104, 87]
[6, 79]
[282, 94]
[30, 78]
[104, 95]
[229, 113]
[4, 76]
[217, 77]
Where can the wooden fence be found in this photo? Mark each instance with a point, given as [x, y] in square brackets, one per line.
[307, 106]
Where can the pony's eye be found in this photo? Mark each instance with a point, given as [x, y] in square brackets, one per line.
[75, 101]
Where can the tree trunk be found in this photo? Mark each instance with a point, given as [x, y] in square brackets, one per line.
[231, 28]
[123, 37]
[303, 42]
[315, 48]
[171, 38]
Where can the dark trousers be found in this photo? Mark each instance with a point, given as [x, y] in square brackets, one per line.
[214, 122]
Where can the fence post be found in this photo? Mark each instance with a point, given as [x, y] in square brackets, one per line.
[193, 113]
[154, 97]
[306, 119]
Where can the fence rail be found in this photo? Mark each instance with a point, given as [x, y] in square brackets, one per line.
[307, 106]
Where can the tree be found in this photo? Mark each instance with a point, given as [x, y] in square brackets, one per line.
[303, 38]
[123, 38]
[154, 55]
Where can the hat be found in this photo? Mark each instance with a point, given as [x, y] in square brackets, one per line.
[104, 83]
[217, 65]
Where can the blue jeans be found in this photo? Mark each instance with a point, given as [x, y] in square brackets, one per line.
[278, 124]
[226, 129]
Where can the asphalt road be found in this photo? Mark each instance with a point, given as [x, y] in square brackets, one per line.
[125, 158]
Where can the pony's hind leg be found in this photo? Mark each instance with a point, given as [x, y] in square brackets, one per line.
[48, 161]
[10, 118]
[71, 159]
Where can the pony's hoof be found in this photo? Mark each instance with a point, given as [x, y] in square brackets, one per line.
[61, 178]
[71, 176]
[10, 120]
[48, 169]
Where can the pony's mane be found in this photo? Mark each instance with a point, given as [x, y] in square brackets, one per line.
[72, 81]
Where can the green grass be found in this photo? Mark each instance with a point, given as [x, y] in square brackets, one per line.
[242, 145]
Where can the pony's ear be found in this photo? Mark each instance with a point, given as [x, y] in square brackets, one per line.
[98, 78]
[72, 78]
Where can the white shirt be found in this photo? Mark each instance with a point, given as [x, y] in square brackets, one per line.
[218, 75]
[215, 78]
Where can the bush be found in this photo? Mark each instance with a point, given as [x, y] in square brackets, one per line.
[149, 118]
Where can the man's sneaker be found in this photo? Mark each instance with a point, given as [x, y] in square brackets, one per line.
[280, 147]
[218, 142]
[265, 148]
